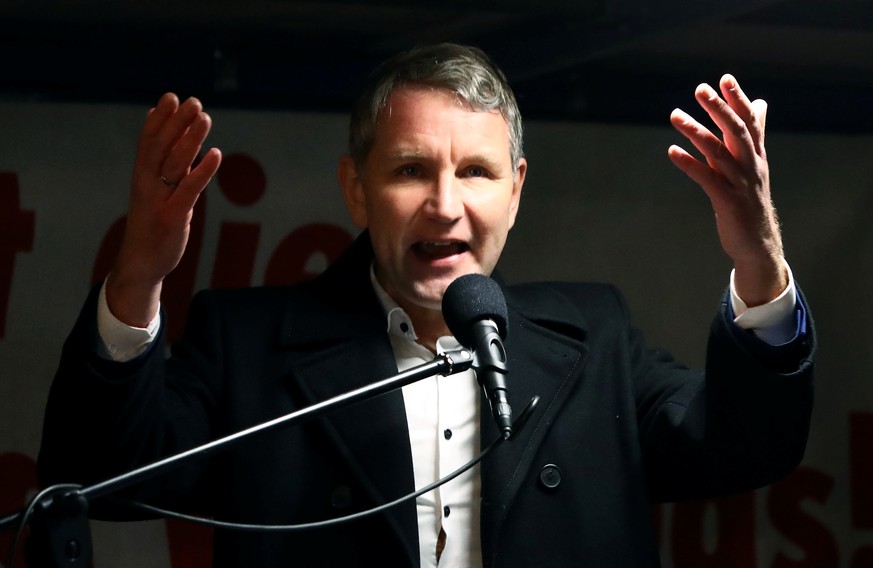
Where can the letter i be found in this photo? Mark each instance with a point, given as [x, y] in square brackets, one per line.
[243, 182]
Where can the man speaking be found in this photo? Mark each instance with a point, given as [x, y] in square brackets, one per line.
[434, 178]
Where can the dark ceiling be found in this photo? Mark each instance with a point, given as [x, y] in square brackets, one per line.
[589, 60]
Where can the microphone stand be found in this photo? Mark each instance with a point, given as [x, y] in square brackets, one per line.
[61, 516]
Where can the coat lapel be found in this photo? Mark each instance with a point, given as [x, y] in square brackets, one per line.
[336, 340]
[546, 354]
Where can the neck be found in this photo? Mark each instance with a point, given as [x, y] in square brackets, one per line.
[428, 322]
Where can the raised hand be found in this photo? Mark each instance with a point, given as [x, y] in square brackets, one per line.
[735, 176]
[164, 188]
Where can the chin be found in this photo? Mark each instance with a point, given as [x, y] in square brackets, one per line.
[429, 295]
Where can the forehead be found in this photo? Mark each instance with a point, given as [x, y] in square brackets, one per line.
[415, 115]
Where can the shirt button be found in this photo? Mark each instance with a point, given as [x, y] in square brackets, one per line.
[448, 434]
[446, 511]
[404, 327]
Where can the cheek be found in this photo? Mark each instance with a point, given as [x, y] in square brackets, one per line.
[388, 220]
[493, 213]
[394, 209]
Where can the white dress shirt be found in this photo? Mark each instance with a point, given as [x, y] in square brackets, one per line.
[443, 417]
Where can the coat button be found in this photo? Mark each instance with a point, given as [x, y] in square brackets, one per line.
[550, 476]
[341, 497]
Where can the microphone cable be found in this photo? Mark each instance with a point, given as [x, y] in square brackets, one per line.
[72, 489]
[28, 512]
[517, 426]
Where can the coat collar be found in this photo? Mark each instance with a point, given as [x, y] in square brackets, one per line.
[342, 293]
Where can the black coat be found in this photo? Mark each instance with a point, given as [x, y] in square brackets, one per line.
[626, 426]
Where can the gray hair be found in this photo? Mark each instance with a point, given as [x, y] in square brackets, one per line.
[466, 71]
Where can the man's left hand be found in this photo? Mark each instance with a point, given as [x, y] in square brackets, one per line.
[736, 178]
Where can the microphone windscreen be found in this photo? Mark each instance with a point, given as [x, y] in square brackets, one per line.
[471, 298]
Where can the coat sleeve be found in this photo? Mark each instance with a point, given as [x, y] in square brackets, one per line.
[739, 424]
[105, 418]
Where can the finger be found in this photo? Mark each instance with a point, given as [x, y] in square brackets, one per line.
[736, 135]
[743, 107]
[708, 179]
[192, 185]
[178, 162]
[759, 107]
[158, 115]
[717, 155]
[159, 145]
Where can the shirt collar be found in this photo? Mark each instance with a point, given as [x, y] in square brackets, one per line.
[398, 322]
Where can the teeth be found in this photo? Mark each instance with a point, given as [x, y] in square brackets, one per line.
[441, 248]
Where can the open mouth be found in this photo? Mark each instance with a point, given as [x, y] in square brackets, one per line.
[440, 249]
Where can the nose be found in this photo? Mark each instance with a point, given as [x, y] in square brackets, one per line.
[445, 203]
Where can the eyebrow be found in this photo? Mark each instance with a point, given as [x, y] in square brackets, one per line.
[404, 155]
[485, 161]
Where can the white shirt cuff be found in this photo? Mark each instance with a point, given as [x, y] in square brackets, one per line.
[119, 341]
[773, 322]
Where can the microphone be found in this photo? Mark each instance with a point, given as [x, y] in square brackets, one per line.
[475, 311]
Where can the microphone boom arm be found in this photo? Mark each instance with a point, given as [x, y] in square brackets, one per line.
[64, 511]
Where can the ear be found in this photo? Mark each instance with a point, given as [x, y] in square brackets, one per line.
[353, 191]
[517, 183]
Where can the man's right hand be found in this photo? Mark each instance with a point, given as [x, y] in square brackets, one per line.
[163, 192]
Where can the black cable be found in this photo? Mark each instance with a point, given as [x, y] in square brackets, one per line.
[318, 524]
[26, 514]
[39, 499]
[519, 423]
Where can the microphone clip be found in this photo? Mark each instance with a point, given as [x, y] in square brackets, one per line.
[490, 364]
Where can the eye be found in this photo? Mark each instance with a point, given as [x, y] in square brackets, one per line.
[409, 170]
[477, 171]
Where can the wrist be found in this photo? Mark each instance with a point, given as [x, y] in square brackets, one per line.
[134, 302]
[760, 282]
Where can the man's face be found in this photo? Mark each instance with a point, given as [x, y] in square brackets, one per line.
[437, 193]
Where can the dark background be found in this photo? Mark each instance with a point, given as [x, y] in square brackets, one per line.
[584, 60]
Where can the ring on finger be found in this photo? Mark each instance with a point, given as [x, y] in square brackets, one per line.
[168, 183]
